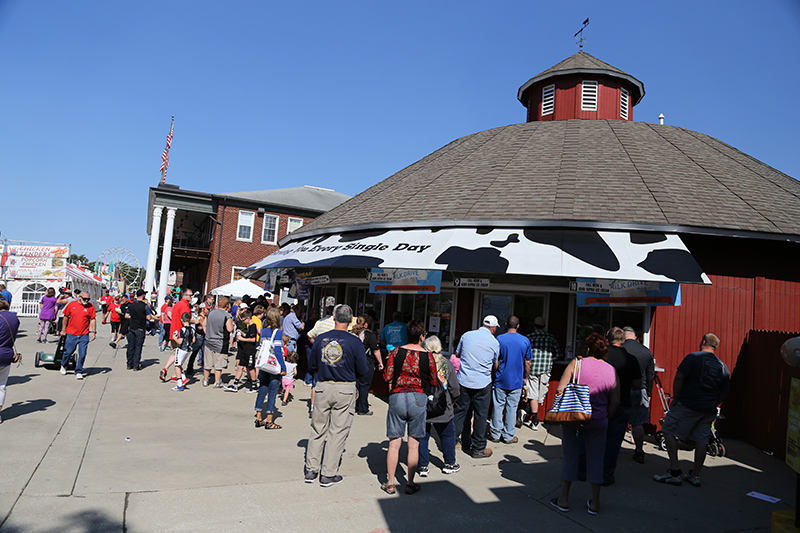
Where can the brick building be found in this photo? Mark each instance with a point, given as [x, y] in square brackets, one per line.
[206, 239]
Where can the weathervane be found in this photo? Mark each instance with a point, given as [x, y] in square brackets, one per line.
[580, 32]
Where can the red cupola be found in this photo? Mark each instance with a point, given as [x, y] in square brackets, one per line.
[581, 87]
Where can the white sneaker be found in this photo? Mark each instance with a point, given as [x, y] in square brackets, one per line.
[63, 371]
[78, 376]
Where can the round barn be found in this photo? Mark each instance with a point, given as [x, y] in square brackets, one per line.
[586, 218]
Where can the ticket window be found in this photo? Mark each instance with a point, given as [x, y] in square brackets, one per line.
[526, 307]
[433, 309]
[361, 301]
[600, 319]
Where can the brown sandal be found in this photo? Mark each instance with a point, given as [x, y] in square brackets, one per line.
[271, 425]
[388, 488]
[412, 488]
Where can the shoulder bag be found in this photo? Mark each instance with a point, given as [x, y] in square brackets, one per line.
[437, 396]
[572, 407]
[266, 359]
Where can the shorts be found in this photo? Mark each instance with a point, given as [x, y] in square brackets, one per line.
[213, 360]
[123, 328]
[407, 408]
[687, 424]
[288, 383]
[537, 386]
[640, 414]
[181, 356]
[247, 361]
[114, 327]
[104, 307]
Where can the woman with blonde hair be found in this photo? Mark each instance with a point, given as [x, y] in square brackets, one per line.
[443, 424]
[270, 384]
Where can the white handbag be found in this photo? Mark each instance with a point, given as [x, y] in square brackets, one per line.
[266, 359]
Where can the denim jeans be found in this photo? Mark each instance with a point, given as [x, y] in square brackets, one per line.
[479, 399]
[197, 352]
[617, 425]
[73, 341]
[615, 432]
[575, 441]
[447, 436]
[162, 333]
[268, 383]
[362, 384]
[505, 403]
[134, 351]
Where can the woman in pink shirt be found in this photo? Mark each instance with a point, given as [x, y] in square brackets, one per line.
[604, 397]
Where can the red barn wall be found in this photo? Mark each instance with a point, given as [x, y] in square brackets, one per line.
[567, 104]
[761, 291]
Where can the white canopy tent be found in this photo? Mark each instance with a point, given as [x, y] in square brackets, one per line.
[239, 288]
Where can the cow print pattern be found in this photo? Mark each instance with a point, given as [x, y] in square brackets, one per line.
[570, 253]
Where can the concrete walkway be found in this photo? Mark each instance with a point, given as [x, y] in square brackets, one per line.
[119, 451]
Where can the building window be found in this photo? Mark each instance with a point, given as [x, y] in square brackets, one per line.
[236, 273]
[589, 96]
[623, 104]
[293, 224]
[270, 233]
[548, 99]
[245, 231]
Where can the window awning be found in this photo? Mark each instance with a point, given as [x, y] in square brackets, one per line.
[570, 253]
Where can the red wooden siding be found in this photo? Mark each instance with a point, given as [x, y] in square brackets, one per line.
[567, 103]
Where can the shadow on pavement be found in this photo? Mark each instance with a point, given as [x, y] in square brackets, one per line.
[85, 521]
[26, 407]
[94, 370]
[18, 380]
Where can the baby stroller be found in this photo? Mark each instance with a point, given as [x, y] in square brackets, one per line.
[716, 448]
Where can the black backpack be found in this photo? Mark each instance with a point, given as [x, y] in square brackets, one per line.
[437, 396]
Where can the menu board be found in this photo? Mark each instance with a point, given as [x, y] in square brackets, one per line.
[34, 261]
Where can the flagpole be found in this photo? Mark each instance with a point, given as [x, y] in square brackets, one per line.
[165, 155]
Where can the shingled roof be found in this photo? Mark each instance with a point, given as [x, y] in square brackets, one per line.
[582, 63]
[585, 173]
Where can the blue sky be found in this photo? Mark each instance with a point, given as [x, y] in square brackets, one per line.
[269, 94]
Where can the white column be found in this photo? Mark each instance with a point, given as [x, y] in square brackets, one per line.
[152, 254]
[165, 257]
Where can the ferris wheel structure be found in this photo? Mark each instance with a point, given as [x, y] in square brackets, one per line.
[119, 264]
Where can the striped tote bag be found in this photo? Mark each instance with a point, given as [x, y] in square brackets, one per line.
[572, 407]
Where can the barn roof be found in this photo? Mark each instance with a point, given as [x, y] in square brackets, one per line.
[579, 173]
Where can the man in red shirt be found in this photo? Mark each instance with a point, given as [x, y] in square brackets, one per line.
[80, 327]
[183, 306]
[105, 302]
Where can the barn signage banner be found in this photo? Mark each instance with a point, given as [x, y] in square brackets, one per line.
[626, 293]
[405, 281]
[545, 252]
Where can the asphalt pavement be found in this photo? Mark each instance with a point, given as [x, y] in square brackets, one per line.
[120, 451]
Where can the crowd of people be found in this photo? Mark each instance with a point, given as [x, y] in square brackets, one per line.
[492, 384]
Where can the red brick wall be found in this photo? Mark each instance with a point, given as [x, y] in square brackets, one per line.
[240, 253]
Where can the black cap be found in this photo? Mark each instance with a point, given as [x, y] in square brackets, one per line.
[141, 292]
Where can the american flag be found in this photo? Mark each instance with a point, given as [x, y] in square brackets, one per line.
[165, 155]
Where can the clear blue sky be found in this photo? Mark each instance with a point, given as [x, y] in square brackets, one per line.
[269, 94]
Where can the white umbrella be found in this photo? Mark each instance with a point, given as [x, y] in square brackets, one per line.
[239, 288]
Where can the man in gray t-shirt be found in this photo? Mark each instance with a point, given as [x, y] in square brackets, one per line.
[219, 326]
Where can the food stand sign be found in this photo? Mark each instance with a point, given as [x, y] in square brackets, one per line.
[626, 293]
[405, 281]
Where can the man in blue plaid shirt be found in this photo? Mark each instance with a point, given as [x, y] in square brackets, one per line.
[545, 350]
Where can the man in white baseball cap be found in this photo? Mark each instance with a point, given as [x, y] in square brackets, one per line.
[478, 351]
